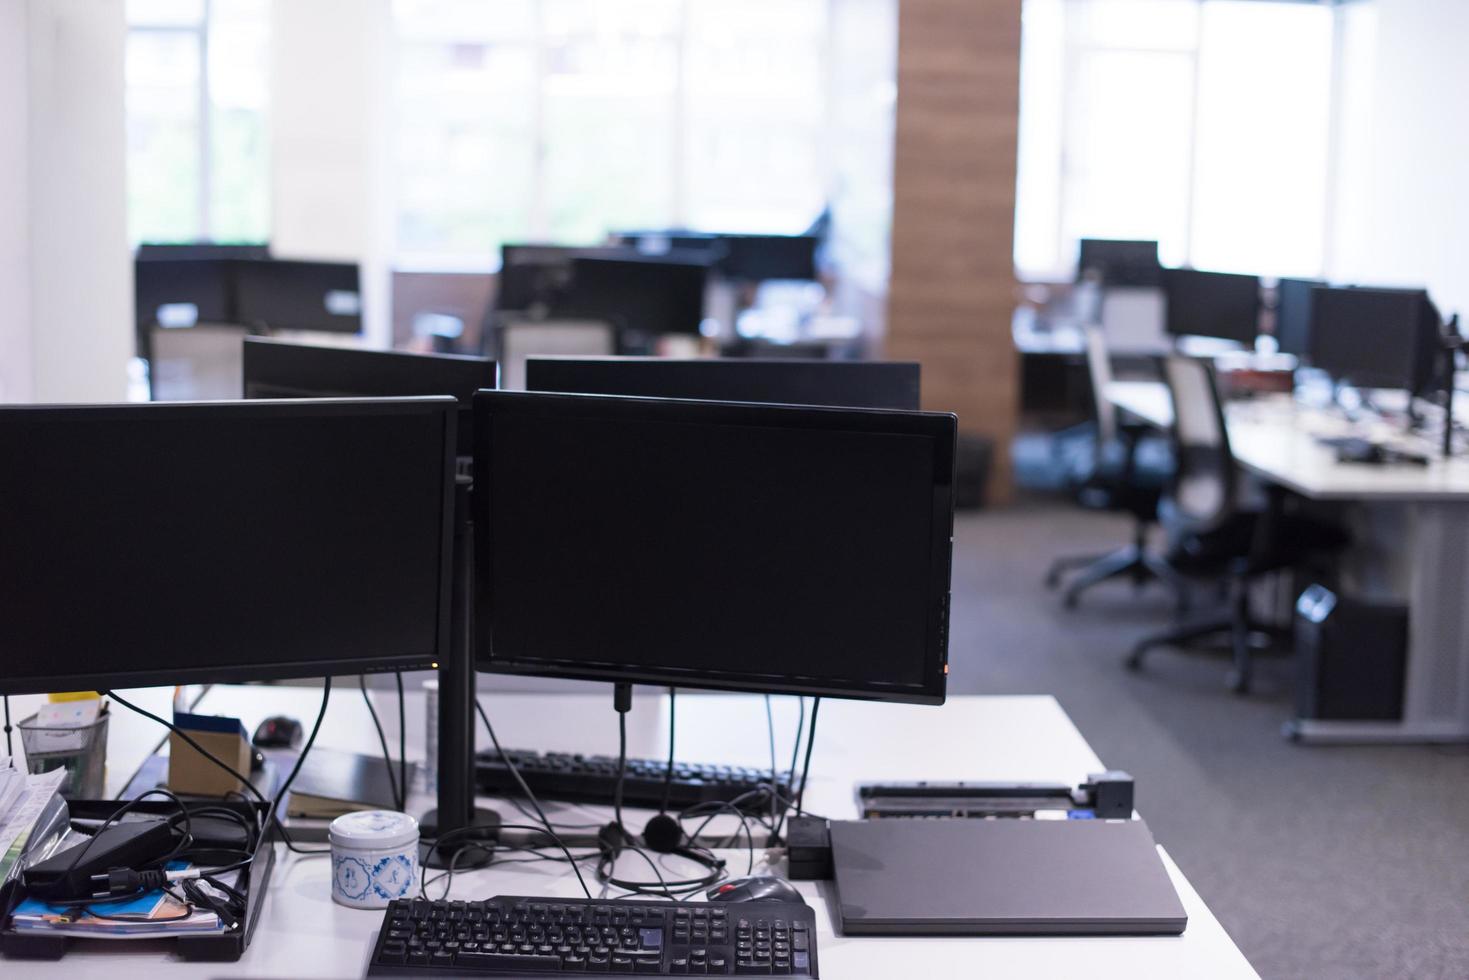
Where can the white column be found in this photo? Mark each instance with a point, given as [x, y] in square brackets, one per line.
[329, 89]
[15, 264]
[65, 267]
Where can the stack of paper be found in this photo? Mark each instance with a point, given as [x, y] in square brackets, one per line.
[29, 815]
[12, 784]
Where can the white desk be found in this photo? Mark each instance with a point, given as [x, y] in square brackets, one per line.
[302, 933]
[1411, 543]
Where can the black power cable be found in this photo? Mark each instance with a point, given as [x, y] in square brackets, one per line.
[535, 803]
[668, 770]
[272, 806]
[382, 740]
[402, 742]
[806, 765]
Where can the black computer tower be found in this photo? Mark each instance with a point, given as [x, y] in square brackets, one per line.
[1353, 657]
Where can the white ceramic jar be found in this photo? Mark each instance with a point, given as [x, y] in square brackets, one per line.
[374, 858]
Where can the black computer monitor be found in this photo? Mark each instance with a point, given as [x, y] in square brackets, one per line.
[1293, 315]
[763, 548]
[646, 296]
[284, 369]
[285, 294]
[224, 541]
[755, 258]
[183, 292]
[1118, 262]
[156, 251]
[1375, 338]
[1212, 304]
[673, 240]
[849, 384]
[538, 275]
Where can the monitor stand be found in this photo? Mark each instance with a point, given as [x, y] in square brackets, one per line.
[1453, 342]
[471, 832]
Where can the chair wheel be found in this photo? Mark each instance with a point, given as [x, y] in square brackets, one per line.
[1053, 579]
[1237, 682]
[1134, 661]
[1070, 600]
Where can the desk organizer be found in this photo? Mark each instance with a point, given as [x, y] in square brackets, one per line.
[217, 947]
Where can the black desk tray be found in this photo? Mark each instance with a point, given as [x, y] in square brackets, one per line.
[225, 947]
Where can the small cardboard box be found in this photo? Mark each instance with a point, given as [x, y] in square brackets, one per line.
[191, 772]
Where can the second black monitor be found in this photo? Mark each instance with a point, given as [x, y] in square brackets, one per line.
[850, 384]
[1375, 338]
[282, 369]
[1224, 305]
[761, 548]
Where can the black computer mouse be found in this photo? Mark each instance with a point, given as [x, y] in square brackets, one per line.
[761, 888]
[278, 732]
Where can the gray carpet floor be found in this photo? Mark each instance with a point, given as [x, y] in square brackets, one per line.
[1319, 861]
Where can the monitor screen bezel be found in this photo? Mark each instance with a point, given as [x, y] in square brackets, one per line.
[907, 373]
[444, 407]
[941, 428]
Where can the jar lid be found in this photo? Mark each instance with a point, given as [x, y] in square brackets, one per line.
[373, 829]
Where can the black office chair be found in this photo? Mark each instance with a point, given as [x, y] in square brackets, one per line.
[1213, 536]
[1115, 476]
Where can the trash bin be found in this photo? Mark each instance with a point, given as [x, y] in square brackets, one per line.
[1352, 655]
[972, 460]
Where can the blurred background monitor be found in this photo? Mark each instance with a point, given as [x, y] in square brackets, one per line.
[649, 296]
[155, 251]
[281, 294]
[1293, 315]
[1375, 337]
[756, 258]
[1223, 305]
[1117, 262]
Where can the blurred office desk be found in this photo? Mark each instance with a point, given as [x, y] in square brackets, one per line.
[302, 933]
[1410, 527]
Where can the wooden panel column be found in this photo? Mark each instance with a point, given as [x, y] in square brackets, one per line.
[953, 281]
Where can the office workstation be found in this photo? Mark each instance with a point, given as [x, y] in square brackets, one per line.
[707, 488]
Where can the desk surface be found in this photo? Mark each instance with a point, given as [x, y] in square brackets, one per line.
[1277, 439]
[302, 933]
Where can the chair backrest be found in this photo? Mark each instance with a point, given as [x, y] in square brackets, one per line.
[520, 339]
[200, 363]
[1202, 493]
[1099, 370]
[1133, 318]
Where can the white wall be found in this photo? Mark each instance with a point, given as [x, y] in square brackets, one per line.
[1403, 217]
[65, 268]
[329, 89]
[81, 267]
[15, 268]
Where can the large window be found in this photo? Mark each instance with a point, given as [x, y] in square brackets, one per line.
[564, 119]
[1204, 124]
[196, 98]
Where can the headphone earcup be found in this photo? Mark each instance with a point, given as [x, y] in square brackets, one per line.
[663, 834]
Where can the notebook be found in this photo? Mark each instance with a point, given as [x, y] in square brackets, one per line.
[332, 783]
[1002, 877]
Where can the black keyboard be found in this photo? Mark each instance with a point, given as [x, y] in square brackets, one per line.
[593, 778]
[519, 935]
